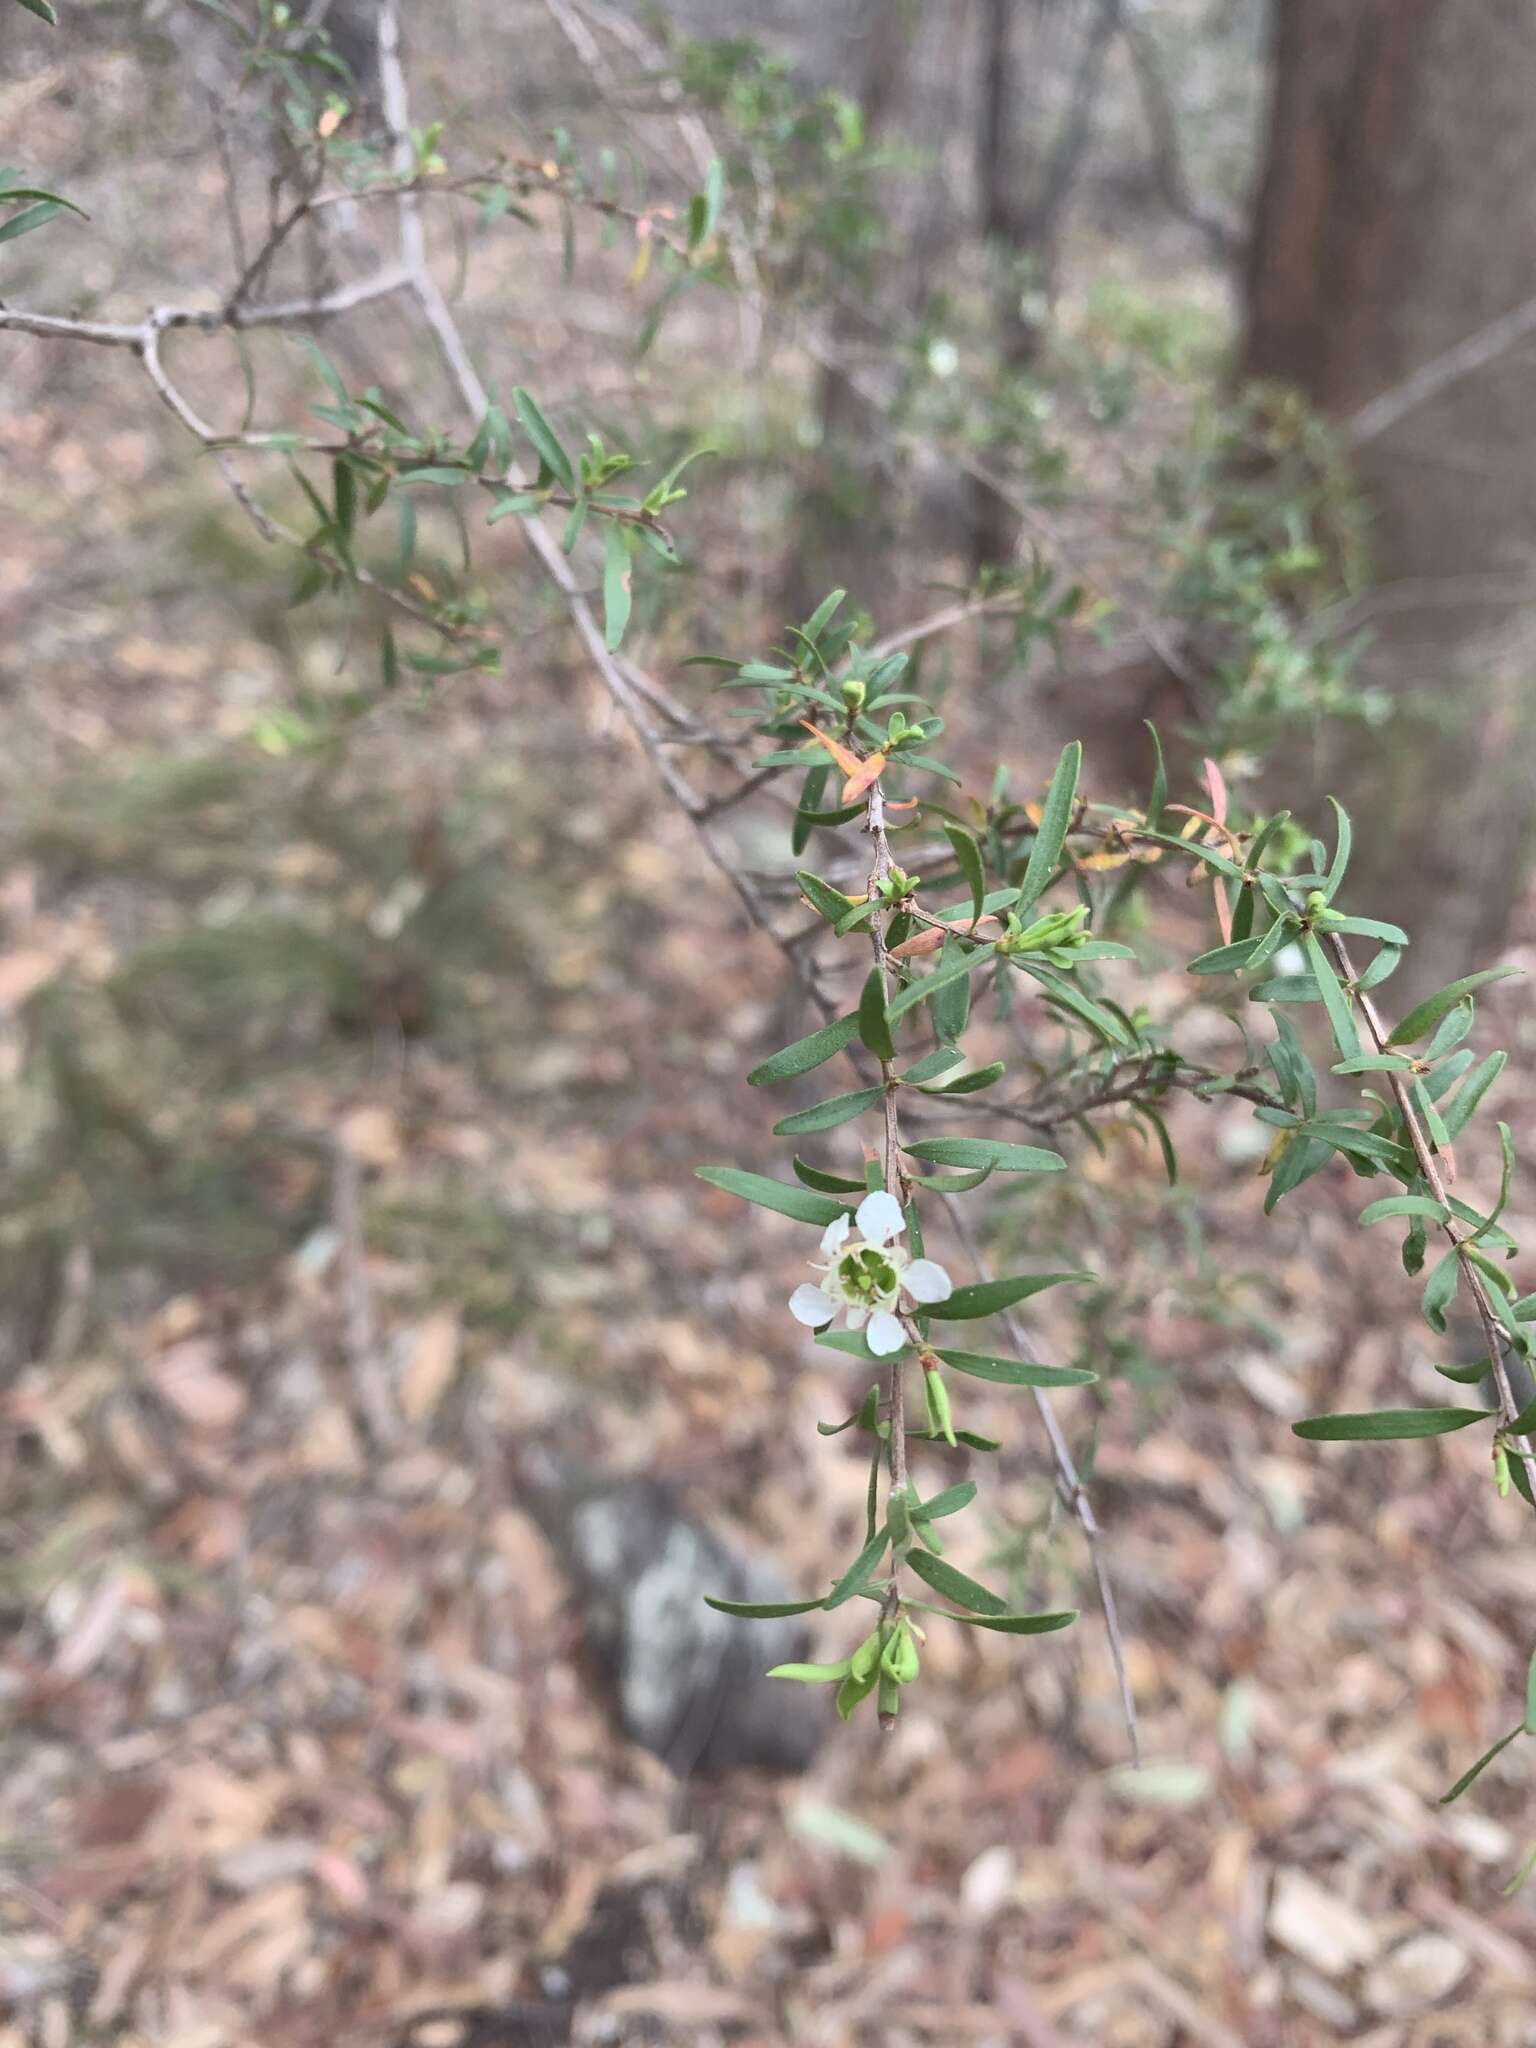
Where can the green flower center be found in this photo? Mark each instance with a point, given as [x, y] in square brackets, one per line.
[867, 1276]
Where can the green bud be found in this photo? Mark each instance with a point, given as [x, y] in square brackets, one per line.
[936, 1394]
[899, 1660]
[854, 692]
[866, 1659]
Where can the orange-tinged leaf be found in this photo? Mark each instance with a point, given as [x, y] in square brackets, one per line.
[845, 758]
[1215, 782]
[928, 940]
[867, 774]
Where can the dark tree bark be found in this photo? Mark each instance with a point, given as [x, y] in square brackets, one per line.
[1396, 218]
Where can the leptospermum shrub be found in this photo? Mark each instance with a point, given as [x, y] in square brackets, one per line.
[998, 890]
[942, 901]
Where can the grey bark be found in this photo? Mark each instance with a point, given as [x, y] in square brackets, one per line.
[1395, 217]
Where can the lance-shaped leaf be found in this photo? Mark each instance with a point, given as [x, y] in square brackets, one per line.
[806, 1053]
[761, 1610]
[858, 1573]
[1055, 819]
[1386, 1425]
[947, 971]
[1014, 1624]
[1341, 1016]
[1470, 1777]
[1015, 1372]
[813, 1674]
[874, 1024]
[545, 440]
[826, 1116]
[949, 1502]
[954, 1585]
[1419, 1022]
[996, 1153]
[990, 1297]
[801, 1203]
[968, 855]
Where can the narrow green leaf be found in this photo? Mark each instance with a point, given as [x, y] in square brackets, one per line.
[1366, 928]
[952, 1183]
[917, 992]
[813, 1674]
[932, 1064]
[30, 217]
[761, 1610]
[544, 438]
[1341, 849]
[954, 1585]
[1388, 1424]
[1440, 1289]
[1159, 795]
[1470, 1776]
[994, 1152]
[874, 1024]
[827, 1183]
[969, 1084]
[988, 1297]
[968, 854]
[44, 11]
[952, 1005]
[826, 1116]
[1016, 1372]
[1102, 1022]
[1225, 959]
[1018, 1624]
[1405, 1205]
[1286, 988]
[1459, 1111]
[1341, 1016]
[828, 902]
[1428, 1014]
[1376, 1063]
[858, 1573]
[949, 1502]
[811, 1051]
[1055, 819]
[800, 1203]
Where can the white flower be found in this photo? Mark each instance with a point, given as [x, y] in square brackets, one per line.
[869, 1277]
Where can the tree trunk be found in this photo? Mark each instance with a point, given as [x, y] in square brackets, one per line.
[1396, 219]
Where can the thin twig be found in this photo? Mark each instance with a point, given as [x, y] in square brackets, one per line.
[1464, 359]
[1069, 1485]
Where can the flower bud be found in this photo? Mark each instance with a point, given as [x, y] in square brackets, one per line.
[854, 692]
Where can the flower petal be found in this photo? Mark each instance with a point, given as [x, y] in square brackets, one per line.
[879, 1218]
[884, 1335]
[836, 1231]
[812, 1306]
[926, 1280]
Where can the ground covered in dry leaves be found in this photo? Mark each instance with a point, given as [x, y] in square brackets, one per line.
[300, 1747]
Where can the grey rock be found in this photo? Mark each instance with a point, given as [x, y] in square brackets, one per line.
[686, 1682]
